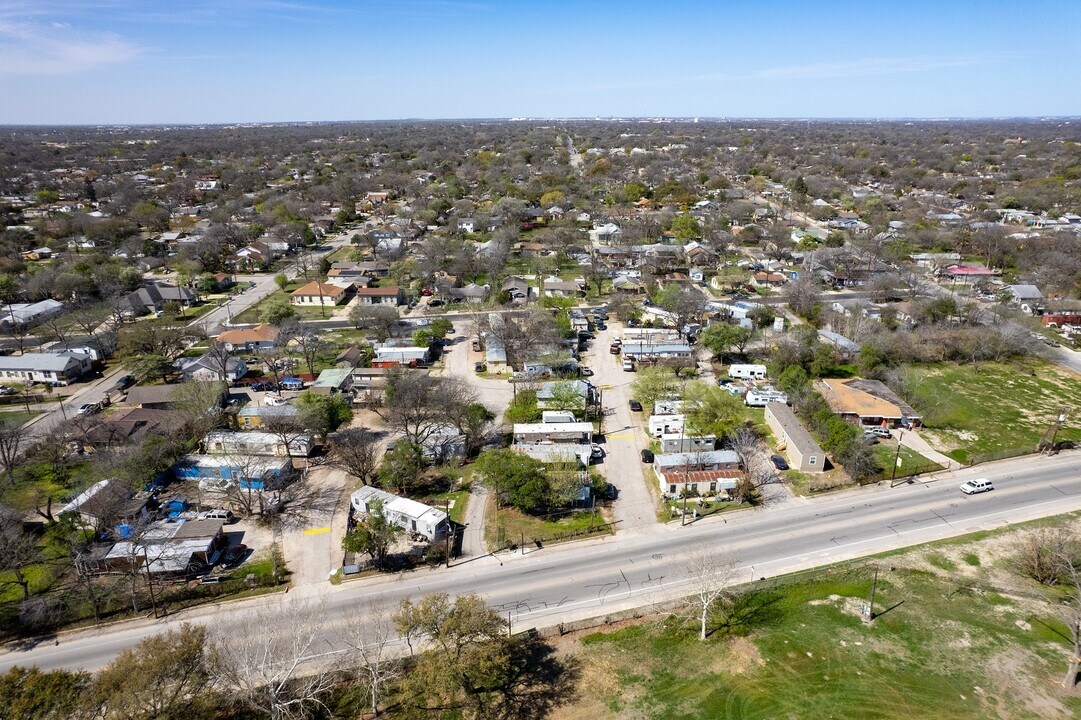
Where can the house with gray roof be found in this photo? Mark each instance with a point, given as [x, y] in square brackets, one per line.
[55, 369]
[799, 448]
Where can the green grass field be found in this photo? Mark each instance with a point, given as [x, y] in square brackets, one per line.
[941, 647]
[975, 410]
[506, 526]
[912, 462]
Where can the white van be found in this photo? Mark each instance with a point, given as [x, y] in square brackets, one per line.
[972, 487]
[628, 365]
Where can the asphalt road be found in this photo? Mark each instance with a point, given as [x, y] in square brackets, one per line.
[546, 586]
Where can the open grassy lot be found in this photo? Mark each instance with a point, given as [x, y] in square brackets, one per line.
[975, 410]
[507, 526]
[912, 462]
[958, 635]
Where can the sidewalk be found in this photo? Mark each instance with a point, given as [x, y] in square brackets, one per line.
[912, 439]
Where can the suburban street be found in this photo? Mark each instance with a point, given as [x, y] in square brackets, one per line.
[543, 587]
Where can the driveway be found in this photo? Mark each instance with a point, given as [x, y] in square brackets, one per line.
[635, 508]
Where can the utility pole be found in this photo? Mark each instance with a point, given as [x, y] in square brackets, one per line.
[150, 584]
[450, 530]
[896, 457]
[686, 462]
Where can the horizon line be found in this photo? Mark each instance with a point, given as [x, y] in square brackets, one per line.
[577, 118]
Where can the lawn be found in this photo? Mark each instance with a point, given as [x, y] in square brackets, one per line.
[912, 463]
[459, 500]
[971, 411]
[254, 313]
[506, 526]
[941, 647]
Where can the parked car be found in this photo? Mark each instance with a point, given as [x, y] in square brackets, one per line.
[275, 400]
[614, 348]
[596, 452]
[974, 487]
[881, 432]
[611, 492]
[435, 302]
[480, 367]
[647, 456]
[217, 514]
[234, 555]
[5, 390]
[628, 365]
[636, 406]
[88, 409]
[601, 326]
[125, 381]
[585, 371]
[778, 462]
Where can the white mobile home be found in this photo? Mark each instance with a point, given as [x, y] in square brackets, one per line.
[412, 516]
[660, 425]
[761, 398]
[747, 372]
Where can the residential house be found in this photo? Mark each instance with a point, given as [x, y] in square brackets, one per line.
[153, 297]
[697, 473]
[27, 315]
[210, 367]
[1028, 298]
[679, 443]
[650, 351]
[162, 397]
[333, 380]
[676, 278]
[560, 454]
[414, 517]
[223, 472]
[260, 337]
[369, 384]
[467, 225]
[517, 288]
[169, 548]
[800, 449]
[388, 355]
[628, 285]
[580, 433]
[768, 279]
[379, 296]
[227, 442]
[546, 391]
[106, 503]
[54, 369]
[251, 417]
[967, 274]
[866, 402]
[472, 292]
[318, 293]
[606, 234]
[555, 287]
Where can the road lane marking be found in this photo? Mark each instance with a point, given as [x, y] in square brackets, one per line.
[316, 531]
[620, 437]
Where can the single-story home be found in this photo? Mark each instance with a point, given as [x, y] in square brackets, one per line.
[107, 502]
[333, 380]
[222, 472]
[393, 355]
[170, 547]
[555, 287]
[210, 367]
[801, 450]
[577, 432]
[656, 350]
[557, 453]
[679, 443]
[225, 442]
[251, 416]
[379, 296]
[318, 293]
[261, 337]
[867, 402]
[28, 314]
[698, 473]
[153, 298]
[50, 368]
[414, 517]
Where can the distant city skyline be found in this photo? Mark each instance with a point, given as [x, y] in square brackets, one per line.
[243, 61]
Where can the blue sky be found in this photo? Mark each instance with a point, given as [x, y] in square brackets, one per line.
[212, 61]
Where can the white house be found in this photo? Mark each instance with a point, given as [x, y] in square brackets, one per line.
[224, 442]
[410, 515]
[44, 367]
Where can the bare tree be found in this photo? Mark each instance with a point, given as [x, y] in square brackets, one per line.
[271, 659]
[18, 550]
[380, 319]
[372, 644]
[355, 451]
[11, 437]
[1071, 571]
[710, 575]
[418, 404]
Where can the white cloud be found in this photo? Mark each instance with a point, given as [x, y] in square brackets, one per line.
[32, 49]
